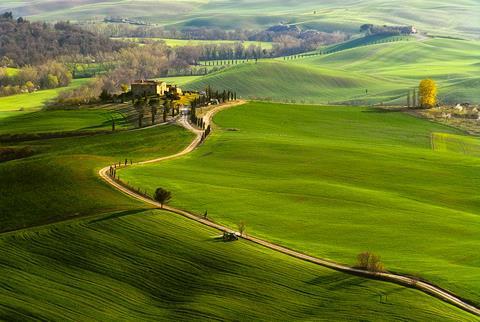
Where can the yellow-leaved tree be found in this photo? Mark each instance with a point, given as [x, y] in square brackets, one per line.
[427, 93]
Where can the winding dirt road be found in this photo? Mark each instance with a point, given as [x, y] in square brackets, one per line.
[390, 277]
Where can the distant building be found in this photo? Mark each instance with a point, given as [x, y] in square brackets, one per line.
[148, 88]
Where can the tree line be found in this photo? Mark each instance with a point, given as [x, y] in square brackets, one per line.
[187, 33]
[147, 62]
[31, 43]
[31, 78]
[284, 45]
[370, 29]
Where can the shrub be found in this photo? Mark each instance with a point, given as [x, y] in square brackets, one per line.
[370, 262]
[7, 154]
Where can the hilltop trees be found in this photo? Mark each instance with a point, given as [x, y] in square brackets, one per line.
[29, 78]
[32, 43]
[370, 29]
[427, 93]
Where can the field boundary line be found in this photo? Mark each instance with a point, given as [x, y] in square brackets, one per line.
[398, 279]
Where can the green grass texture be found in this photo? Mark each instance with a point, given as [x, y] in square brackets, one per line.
[334, 182]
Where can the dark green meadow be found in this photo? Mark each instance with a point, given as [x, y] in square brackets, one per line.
[151, 265]
[60, 180]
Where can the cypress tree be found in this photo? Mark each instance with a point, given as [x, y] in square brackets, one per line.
[414, 98]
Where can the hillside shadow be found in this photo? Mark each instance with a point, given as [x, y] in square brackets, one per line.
[119, 215]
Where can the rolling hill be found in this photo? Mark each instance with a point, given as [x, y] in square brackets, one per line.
[387, 70]
[434, 16]
[286, 82]
[59, 181]
[16, 105]
[150, 265]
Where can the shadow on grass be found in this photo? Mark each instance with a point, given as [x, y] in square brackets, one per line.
[216, 239]
[119, 215]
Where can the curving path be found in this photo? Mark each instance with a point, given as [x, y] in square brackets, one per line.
[390, 277]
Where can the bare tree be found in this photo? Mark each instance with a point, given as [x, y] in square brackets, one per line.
[242, 226]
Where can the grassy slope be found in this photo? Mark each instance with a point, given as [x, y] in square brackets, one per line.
[386, 70]
[54, 121]
[150, 265]
[445, 142]
[180, 80]
[335, 182]
[61, 180]
[365, 41]
[451, 63]
[21, 103]
[282, 81]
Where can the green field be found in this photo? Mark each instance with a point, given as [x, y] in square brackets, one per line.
[309, 163]
[62, 121]
[151, 265]
[293, 82]
[180, 80]
[444, 142]
[100, 255]
[60, 181]
[22, 103]
[333, 182]
[386, 70]
[365, 41]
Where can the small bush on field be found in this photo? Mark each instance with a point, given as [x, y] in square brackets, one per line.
[370, 262]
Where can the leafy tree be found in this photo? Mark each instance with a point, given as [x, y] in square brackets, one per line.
[29, 86]
[162, 196]
[124, 88]
[51, 81]
[427, 93]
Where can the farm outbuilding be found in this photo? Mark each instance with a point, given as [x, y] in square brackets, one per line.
[148, 88]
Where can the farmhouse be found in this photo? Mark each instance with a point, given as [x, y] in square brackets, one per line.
[148, 88]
